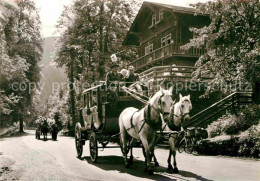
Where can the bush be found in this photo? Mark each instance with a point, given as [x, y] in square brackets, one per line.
[225, 124]
[249, 142]
[251, 114]
[214, 129]
[221, 146]
[233, 124]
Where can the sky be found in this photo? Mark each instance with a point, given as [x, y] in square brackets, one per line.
[50, 10]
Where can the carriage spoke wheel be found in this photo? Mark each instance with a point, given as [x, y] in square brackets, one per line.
[78, 142]
[93, 147]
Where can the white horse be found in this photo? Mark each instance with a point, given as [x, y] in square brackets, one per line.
[143, 124]
[179, 114]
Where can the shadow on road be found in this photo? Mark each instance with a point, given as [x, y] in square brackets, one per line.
[14, 135]
[137, 169]
[48, 139]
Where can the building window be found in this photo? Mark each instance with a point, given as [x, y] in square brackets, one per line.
[163, 42]
[166, 40]
[149, 49]
[161, 14]
[153, 19]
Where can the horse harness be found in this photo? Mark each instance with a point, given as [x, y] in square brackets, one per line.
[147, 116]
[171, 125]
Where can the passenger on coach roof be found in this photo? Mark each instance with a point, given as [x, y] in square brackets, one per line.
[125, 74]
[113, 76]
[132, 77]
[133, 80]
[112, 79]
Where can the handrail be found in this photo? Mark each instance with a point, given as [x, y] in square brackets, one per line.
[151, 53]
[213, 105]
[174, 72]
[220, 104]
[101, 84]
[174, 49]
[163, 67]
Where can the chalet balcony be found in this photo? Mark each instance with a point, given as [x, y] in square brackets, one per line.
[167, 51]
[175, 73]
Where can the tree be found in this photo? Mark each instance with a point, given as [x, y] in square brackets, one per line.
[232, 42]
[88, 37]
[12, 68]
[57, 107]
[20, 53]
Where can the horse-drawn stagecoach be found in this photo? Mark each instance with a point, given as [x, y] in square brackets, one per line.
[131, 115]
[99, 118]
[46, 126]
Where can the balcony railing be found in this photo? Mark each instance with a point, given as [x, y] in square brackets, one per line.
[164, 52]
[176, 73]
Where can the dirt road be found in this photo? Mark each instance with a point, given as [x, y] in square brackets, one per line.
[25, 158]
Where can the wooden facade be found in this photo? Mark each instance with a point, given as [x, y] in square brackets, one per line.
[159, 31]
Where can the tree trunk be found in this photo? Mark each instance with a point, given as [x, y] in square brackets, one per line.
[106, 40]
[256, 92]
[108, 29]
[21, 124]
[101, 26]
[72, 96]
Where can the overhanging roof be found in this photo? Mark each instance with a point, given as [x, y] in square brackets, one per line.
[132, 38]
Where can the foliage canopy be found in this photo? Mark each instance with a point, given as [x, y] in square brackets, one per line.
[232, 41]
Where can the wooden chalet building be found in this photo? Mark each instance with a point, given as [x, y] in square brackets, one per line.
[159, 30]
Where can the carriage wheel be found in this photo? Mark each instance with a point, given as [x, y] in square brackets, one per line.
[78, 142]
[93, 147]
[181, 145]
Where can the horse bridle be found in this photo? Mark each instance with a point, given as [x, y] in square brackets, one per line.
[182, 115]
[159, 110]
[170, 124]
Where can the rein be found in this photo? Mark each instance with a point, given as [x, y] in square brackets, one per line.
[148, 120]
[171, 125]
[147, 117]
